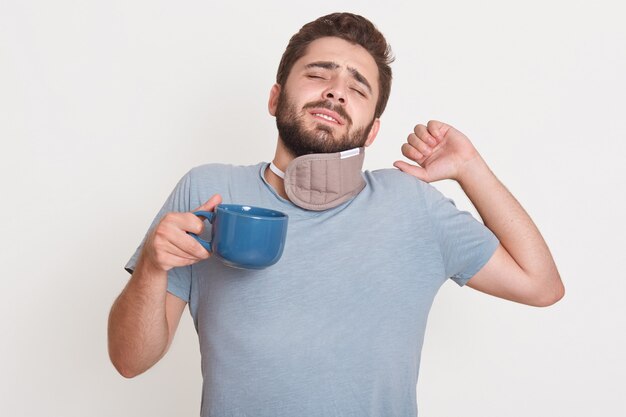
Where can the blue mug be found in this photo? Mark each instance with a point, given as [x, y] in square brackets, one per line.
[245, 236]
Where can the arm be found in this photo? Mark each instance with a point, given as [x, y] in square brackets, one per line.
[143, 321]
[522, 268]
[144, 318]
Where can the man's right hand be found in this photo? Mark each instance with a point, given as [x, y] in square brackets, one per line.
[170, 246]
[144, 317]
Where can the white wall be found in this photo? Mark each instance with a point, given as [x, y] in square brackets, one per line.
[104, 105]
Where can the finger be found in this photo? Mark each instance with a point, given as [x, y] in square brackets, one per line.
[169, 261]
[414, 170]
[173, 223]
[419, 144]
[186, 246]
[168, 256]
[175, 260]
[437, 129]
[413, 154]
[210, 204]
[189, 222]
[173, 239]
[421, 132]
[177, 252]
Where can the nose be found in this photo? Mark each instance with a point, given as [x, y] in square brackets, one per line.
[336, 93]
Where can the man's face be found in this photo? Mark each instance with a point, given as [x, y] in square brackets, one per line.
[328, 102]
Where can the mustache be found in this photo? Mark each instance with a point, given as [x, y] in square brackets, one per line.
[325, 104]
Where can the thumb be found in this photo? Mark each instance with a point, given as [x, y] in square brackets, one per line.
[416, 171]
[211, 203]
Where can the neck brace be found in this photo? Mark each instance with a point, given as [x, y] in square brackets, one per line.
[325, 180]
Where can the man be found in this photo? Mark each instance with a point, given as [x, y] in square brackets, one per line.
[336, 326]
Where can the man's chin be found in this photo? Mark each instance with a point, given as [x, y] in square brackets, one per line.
[317, 138]
[322, 134]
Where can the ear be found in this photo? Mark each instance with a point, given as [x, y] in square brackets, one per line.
[373, 132]
[272, 103]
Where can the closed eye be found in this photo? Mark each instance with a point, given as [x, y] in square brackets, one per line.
[361, 93]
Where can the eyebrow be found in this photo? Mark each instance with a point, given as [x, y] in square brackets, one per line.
[329, 65]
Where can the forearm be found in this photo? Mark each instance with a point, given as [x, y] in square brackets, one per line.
[138, 330]
[506, 218]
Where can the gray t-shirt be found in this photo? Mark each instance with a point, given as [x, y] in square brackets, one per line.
[336, 327]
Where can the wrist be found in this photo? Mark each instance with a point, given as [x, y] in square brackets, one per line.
[472, 171]
[149, 270]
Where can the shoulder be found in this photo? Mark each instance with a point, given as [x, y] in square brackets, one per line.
[216, 172]
[394, 180]
[232, 182]
[223, 169]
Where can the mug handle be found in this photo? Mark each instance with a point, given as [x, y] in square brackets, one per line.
[209, 216]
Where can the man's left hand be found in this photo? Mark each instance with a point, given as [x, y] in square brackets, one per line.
[441, 151]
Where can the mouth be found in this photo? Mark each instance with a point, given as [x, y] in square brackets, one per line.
[326, 116]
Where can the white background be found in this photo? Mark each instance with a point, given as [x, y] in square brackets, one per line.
[105, 105]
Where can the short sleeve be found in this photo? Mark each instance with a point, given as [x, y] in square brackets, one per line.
[466, 244]
[178, 279]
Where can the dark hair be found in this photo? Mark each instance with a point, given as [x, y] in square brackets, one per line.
[352, 28]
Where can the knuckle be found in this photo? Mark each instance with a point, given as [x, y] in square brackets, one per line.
[168, 217]
[194, 228]
[188, 217]
[193, 223]
[167, 222]
[160, 236]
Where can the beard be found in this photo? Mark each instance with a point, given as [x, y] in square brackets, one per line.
[300, 141]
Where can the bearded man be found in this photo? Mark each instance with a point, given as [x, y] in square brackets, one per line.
[336, 327]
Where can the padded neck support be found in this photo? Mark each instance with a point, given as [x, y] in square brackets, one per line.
[323, 181]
